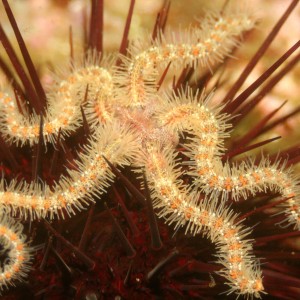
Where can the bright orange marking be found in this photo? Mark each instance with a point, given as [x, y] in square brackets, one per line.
[36, 130]
[61, 199]
[221, 27]
[180, 51]
[188, 212]
[7, 198]
[16, 268]
[216, 37]
[235, 259]
[71, 189]
[287, 184]
[256, 177]
[21, 258]
[98, 111]
[203, 217]
[243, 180]
[203, 171]
[202, 156]
[234, 274]
[24, 131]
[213, 181]
[175, 204]
[235, 246]
[7, 100]
[3, 230]
[219, 223]
[46, 204]
[208, 143]
[258, 286]
[72, 79]
[13, 237]
[268, 173]
[82, 189]
[64, 121]
[165, 191]
[49, 128]
[93, 176]
[208, 46]
[206, 128]
[63, 89]
[230, 233]
[94, 72]
[195, 51]
[243, 284]
[153, 56]
[228, 184]
[33, 202]
[19, 247]
[14, 129]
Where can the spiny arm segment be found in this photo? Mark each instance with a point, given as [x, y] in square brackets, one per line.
[207, 217]
[116, 142]
[206, 45]
[240, 181]
[187, 111]
[63, 107]
[184, 112]
[13, 242]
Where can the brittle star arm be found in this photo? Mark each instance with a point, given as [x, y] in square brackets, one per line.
[239, 181]
[14, 242]
[63, 110]
[206, 217]
[91, 177]
[213, 40]
[185, 112]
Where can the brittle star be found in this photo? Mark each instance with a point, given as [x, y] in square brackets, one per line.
[135, 124]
